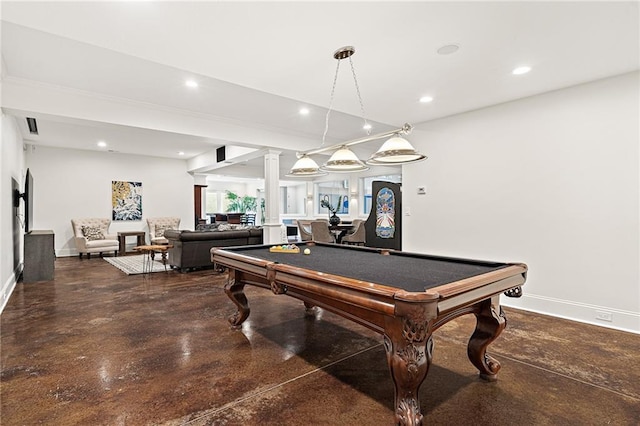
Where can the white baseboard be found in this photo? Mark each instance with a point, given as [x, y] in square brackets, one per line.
[9, 286]
[581, 312]
[74, 252]
[66, 252]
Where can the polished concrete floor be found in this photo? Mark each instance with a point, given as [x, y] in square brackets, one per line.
[98, 347]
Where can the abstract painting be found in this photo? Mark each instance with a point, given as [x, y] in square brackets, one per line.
[126, 200]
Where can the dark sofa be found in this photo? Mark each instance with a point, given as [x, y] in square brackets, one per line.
[191, 249]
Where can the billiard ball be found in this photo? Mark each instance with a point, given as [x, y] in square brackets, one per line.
[307, 251]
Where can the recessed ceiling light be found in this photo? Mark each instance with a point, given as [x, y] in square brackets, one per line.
[448, 49]
[367, 126]
[521, 70]
[426, 99]
[191, 83]
[304, 111]
[180, 152]
[102, 144]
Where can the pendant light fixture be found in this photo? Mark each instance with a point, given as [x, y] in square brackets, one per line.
[396, 150]
[305, 167]
[344, 160]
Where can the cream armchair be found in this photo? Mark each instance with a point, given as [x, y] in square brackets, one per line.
[157, 226]
[92, 236]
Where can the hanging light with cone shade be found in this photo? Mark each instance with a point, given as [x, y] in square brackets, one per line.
[344, 160]
[305, 167]
[396, 150]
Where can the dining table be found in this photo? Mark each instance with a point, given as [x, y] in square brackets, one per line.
[340, 230]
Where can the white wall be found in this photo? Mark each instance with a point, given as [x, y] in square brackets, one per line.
[12, 167]
[76, 184]
[552, 181]
[239, 188]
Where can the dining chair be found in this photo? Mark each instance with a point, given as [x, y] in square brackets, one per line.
[248, 219]
[357, 235]
[320, 232]
[304, 229]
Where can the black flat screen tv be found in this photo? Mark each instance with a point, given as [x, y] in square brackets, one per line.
[28, 202]
[27, 196]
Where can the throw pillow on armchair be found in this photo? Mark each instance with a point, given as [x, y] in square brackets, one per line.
[160, 230]
[92, 233]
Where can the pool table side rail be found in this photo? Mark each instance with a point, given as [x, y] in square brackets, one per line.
[467, 298]
[241, 262]
[392, 252]
[364, 308]
[447, 290]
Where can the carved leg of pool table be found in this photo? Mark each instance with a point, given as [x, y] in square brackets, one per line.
[308, 308]
[409, 346]
[490, 323]
[235, 290]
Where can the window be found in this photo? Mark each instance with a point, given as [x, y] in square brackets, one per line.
[214, 204]
[336, 193]
[366, 189]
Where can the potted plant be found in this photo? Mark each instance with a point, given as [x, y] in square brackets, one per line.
[333, 218]
[242, 206]
[238, 204]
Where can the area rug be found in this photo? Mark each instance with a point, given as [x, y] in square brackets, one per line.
[132, 265]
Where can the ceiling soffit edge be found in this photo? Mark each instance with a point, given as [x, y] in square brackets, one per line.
[38, 85]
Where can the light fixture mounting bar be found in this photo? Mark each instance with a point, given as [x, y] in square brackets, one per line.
[344, 52]
[405, 130]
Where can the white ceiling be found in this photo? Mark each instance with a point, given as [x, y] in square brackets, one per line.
[257, 63]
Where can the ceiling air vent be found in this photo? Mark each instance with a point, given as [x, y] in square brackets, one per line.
[33, 127]
[221, 154]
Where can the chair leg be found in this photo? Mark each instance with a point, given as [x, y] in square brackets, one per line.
[88, 255]
[80, 254]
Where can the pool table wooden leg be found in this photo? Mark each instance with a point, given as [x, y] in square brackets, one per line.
[235, 290]
[490, 323]
[309, 308]
[409, 347]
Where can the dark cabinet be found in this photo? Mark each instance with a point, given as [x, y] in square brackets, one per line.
[39, 256]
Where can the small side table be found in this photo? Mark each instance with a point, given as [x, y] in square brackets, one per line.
[149, 252]
[122, 238]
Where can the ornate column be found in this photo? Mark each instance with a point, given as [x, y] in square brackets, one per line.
[272, 228]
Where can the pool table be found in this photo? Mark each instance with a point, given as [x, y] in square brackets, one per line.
[403, 296]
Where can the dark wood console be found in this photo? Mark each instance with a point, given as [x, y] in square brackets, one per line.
[122, 239]
[39, 256]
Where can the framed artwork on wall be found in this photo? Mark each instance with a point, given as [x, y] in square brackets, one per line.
[126, 200]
